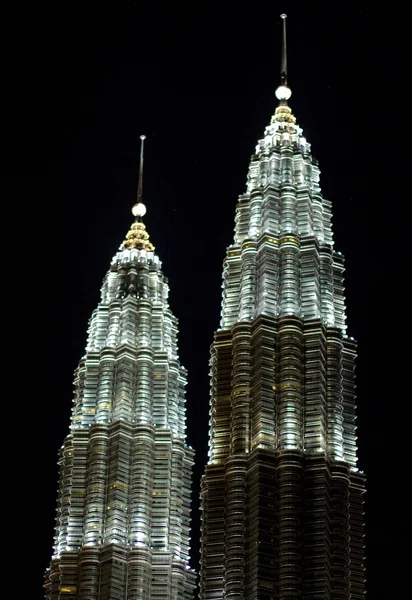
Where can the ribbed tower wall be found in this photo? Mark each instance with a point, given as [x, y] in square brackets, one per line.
[282, 508]
[123, 516]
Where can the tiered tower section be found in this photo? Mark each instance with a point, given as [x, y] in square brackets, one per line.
[123, 515]
[282, 494]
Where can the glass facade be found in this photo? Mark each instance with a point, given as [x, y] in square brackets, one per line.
[282, 495]
[123, 509]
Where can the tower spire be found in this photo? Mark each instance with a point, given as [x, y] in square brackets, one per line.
[139, 209]
[284, 59]
[283, 93]
[283, 113]
[137, 236]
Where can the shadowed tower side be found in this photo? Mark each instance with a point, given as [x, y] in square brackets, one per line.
[123, 514]
[282, 495]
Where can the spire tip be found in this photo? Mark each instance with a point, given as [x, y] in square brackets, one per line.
[142, 137]
[283, 16]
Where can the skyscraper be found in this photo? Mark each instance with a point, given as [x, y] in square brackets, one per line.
[123, 509]
[282, 507]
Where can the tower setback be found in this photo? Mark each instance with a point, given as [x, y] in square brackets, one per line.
[282, 495]
[123, 509]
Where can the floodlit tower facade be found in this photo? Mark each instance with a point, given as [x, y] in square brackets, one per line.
[123, 513]
[282, 496]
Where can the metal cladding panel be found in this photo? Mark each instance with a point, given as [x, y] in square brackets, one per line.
[282, 525]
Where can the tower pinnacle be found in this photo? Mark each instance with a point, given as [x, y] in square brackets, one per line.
[283, 113]
[283, 92]
[137, 236]
[139, 209]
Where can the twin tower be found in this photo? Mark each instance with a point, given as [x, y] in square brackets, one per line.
[282, 496]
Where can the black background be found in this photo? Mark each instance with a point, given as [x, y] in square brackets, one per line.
[81, 84]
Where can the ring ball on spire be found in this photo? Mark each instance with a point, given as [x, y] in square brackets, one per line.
[139, 210]
[283, 16]
[283, 92]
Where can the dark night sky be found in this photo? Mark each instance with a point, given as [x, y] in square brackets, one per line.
[83, 85]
